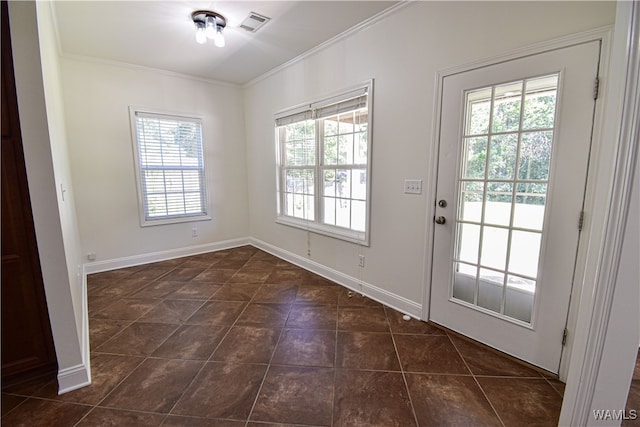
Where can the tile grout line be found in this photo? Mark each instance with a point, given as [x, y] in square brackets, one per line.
[554, 387]
[120, 382]
[475, 379]
[120, 297]
[264, 378]
[222, 339]
[208, 360]
[136, 320]
[51, 400]
[404, 378]
[116, 335]
[335, 363]
[145, 358]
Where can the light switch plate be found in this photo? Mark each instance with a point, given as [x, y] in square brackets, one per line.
[413, 186]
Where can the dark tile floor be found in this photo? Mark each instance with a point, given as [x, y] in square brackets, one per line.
[633, 400]
[241, 338]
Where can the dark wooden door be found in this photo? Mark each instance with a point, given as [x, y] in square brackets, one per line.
[27, 343]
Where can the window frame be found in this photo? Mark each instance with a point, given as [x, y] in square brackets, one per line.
[307, 111]
[145, 220]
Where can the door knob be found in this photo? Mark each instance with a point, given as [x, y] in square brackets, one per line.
[440, 220]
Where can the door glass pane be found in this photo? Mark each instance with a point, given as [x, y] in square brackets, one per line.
[506, 107]
[497, 209]
[540, 103]
[525, 250]
[530, 203]
[502, 156]
[476, 157]
[535, 155]
[494, 247]
[468, 243]
[471, 201]
[503, 182]
[479, 111]
[519, 298]
[490, 288]
[464, 285]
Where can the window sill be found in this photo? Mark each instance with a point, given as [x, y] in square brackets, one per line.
[358, 237]
[173, 220]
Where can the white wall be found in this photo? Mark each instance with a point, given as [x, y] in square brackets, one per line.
[96, 101]
[44, 143]
[60, 156]
[402, 53]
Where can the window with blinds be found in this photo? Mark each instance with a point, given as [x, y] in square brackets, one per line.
[323, 160]
[170, 167]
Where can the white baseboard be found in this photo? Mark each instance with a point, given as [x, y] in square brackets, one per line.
[385, 297]
[73, 378]
[79, 376]
[113, 264]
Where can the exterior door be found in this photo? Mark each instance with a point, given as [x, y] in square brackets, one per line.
[513, 155]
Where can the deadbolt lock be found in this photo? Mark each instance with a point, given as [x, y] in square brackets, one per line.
[442, 203]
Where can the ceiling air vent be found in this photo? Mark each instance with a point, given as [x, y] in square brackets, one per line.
[253, 22]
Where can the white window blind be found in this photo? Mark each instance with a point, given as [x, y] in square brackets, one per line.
[170, 167]
[348, 101]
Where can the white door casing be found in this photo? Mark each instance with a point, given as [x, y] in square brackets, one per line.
[537, 341]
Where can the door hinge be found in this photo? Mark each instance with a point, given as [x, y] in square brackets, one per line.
[581, 221]
[596, 88]
[564, 336]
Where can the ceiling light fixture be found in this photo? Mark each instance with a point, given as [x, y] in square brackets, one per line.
[209, 25]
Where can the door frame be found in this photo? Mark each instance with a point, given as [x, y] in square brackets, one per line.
[602, 35]
[594, 366]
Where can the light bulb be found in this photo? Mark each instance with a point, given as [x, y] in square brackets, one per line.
[211, 27]
[218, 39]
[201, 37]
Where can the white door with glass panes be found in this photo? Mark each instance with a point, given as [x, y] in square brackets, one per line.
[514, 146]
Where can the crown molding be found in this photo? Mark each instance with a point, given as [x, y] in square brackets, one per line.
[120, 64]
[347, 33]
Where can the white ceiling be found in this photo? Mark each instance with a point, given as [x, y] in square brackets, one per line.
[161, 34]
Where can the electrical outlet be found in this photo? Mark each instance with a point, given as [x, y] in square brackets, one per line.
[413, 186]
[194, 232]
[361, 260]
